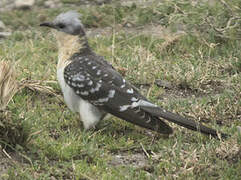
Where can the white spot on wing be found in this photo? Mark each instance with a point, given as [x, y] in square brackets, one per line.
[137, 110]
[97, 88]
[143, 115]
[137, 104]
[101, 100]
[80, 85]
[130, 91]
[73, 84]
[94, 67]
[106, 99]
[123, 85]
[84, 93]
[92, 90]
[134, 99]
[142, 103]
[78, 77]
[98, 72]
[146, 103]
[149, 120]
[111, 93]
[90, 83]
[124, 107]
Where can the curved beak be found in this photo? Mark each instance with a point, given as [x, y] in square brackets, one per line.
[48, 24]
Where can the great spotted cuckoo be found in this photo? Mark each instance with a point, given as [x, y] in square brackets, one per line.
[93, 88]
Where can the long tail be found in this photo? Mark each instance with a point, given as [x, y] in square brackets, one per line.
[182, 121]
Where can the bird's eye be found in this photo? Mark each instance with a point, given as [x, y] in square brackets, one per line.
[61, 26]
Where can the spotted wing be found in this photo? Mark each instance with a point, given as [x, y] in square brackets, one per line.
[96, 81]
[99, 83]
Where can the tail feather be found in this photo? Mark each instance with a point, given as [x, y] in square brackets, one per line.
[182, 121]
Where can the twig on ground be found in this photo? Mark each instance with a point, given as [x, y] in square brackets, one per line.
[146, 153]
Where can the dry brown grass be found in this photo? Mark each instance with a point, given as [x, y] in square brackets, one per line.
[40, 86]
[229, 150]
[13, 131]
[9, 86]
[8, 83]
[170, 40]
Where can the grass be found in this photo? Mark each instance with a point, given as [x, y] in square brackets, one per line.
[202, 64]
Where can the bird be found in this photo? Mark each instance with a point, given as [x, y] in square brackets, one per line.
[92, 87]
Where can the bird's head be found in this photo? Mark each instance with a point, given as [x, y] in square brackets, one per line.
[69, 32]
[67, 22]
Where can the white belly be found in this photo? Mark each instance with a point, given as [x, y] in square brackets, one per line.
[89, 114]
[70, 98]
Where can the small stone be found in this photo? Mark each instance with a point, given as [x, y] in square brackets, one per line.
[52, 4]
[128, 25]
[24, 4]
[2, 26]
[5, 34]
[49, 4]
[239, 129]
[53, 178]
